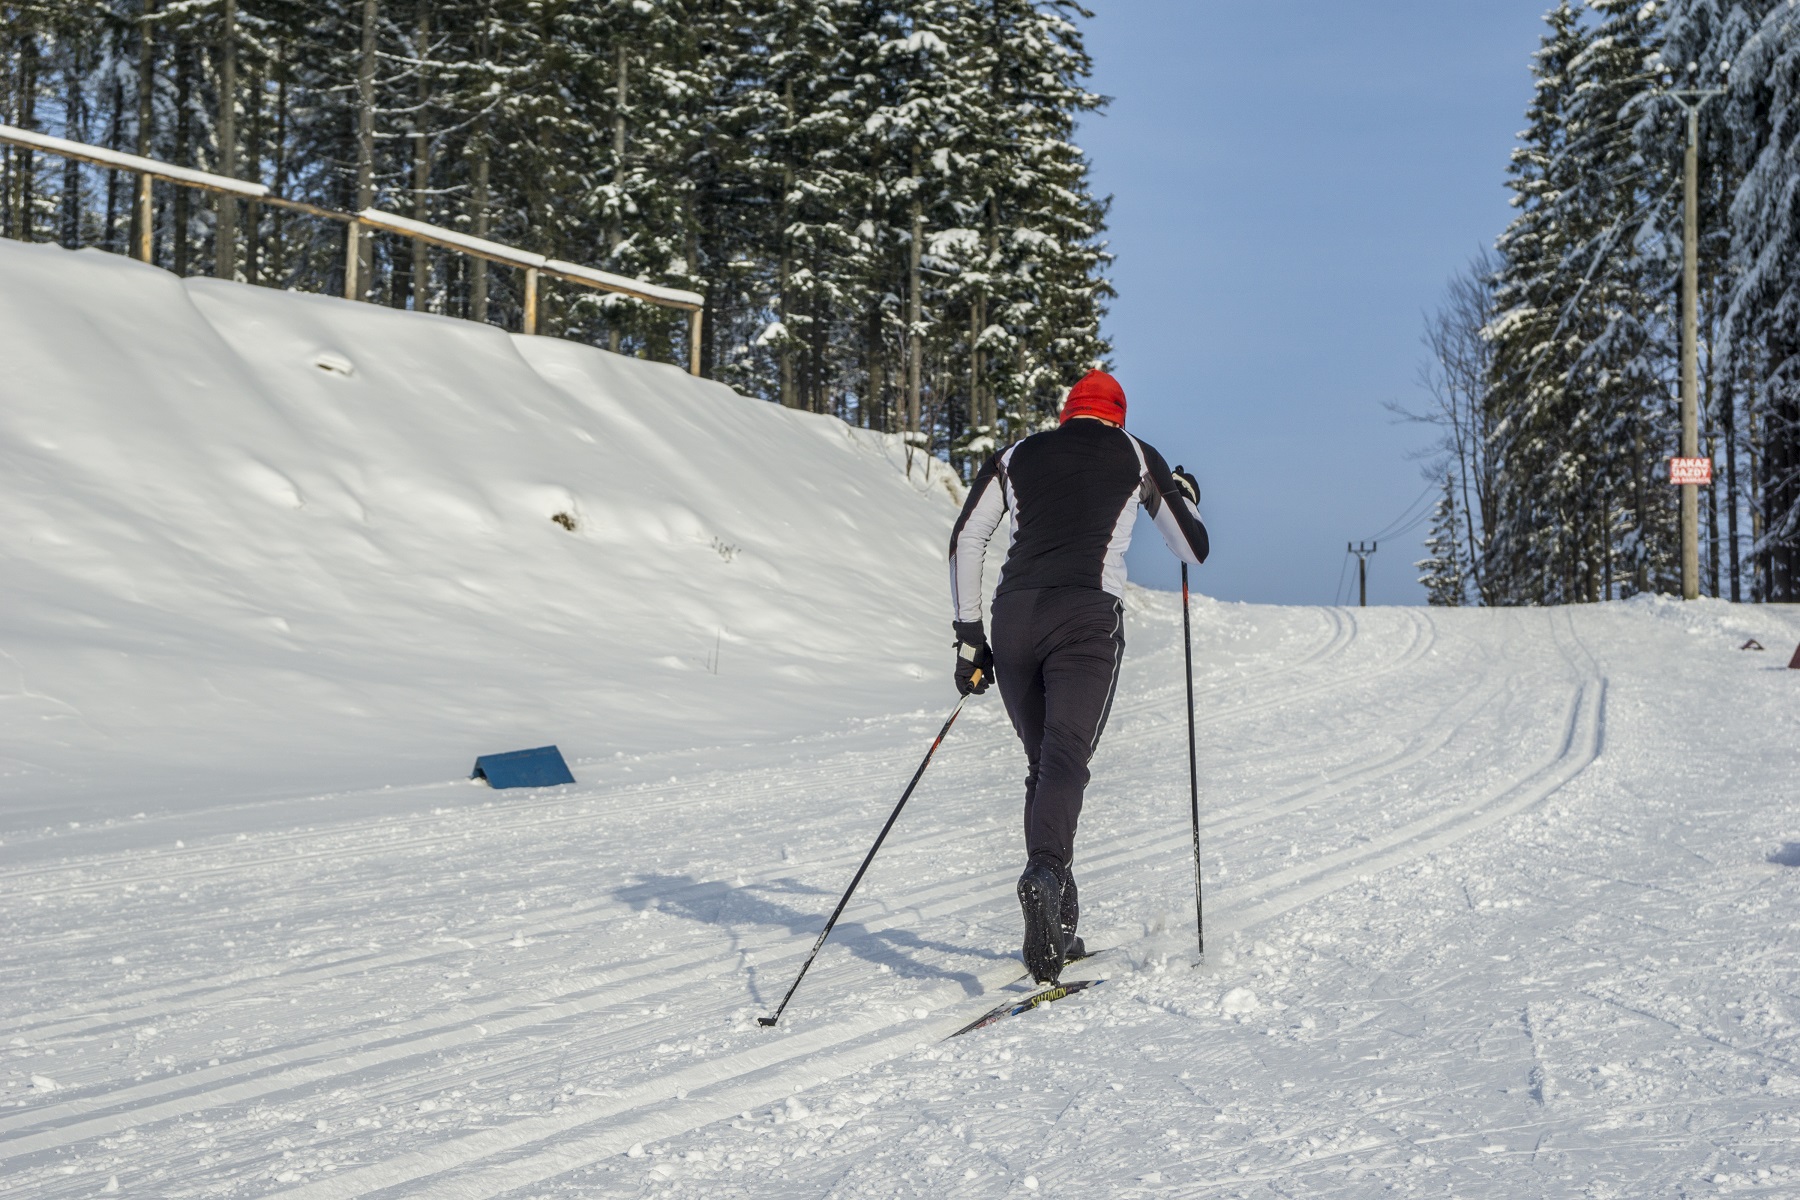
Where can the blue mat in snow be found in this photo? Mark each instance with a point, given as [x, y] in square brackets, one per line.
[542, 767]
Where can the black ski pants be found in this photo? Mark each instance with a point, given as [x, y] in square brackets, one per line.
[1056, 658]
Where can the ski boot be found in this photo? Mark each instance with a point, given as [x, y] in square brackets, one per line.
[1041, 899]
[1073, 947]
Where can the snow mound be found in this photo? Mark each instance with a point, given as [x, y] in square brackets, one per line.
[1772, 626]
[263, 542]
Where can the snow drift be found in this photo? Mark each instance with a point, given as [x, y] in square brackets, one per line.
[257, 541]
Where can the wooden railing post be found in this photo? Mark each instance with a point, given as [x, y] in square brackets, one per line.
[694, 319]
[352, 258]
[146, 231]
[531, 299]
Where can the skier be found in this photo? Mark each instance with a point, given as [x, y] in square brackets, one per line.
[1059, 624]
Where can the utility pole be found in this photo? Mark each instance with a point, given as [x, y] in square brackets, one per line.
[1362, 550]
[1691, 101]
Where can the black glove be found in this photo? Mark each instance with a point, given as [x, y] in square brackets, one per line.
[974, 661]
[1187, 483]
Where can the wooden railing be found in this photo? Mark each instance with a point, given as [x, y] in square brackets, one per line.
[232, 190]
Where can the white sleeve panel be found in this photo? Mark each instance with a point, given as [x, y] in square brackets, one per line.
[1182, 529]
[981, 515]
[1172, 531]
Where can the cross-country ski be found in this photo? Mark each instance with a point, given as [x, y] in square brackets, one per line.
[1012, 1008]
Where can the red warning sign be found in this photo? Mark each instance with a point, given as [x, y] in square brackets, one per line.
[1691, 470]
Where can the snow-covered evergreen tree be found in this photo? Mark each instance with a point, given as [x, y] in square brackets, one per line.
[1534, 351]
[1765, 306]
[1443, 571]
[775, 155]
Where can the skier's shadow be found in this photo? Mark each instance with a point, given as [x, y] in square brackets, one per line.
[755, 906]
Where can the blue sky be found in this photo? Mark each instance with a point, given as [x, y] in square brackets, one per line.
[1293, 183]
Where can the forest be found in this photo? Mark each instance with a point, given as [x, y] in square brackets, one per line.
[1554, 359]
[881, 200]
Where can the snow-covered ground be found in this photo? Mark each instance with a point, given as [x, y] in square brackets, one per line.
[249, 538]
[1499, 904]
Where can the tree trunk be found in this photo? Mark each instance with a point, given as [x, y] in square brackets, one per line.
[421, 256]
[1606, 544]
[75, 129]
[785, 315]
[1728, 411]
[184, 86]
[815, 399]
[24, 160]
[1712, 526]
[225, 245]
[915, 349]
[990, 408]
[785, 268]
[146, 111]
[874, 415]
[115, 130]
[365, 148]
[259, 80]
[478, 268]
[615, 229]
[1753, 446]
[1640, 569]
[278, 222]
[1710, 411]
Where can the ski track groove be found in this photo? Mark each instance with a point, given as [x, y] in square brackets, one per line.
[733, 1085]
[76, 1106]
[723, 1092]
[106, 1013]
[296, 1066]
[387, 1033]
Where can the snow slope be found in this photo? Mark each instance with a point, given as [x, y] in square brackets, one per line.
[1499, 904]
[254, 541]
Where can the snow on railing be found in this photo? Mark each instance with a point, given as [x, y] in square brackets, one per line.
[533, 264]
[100, 156]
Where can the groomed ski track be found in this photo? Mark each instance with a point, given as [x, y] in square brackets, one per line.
[468, 996]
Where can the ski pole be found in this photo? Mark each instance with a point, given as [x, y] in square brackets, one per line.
[892, 817]
[1187, 640]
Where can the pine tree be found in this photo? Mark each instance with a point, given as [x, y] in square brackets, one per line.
[1534, 351]
[1765, 306]
[1443, 571]
[1623, 419]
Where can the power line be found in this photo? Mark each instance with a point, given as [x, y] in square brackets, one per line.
[1409, 526]
[1410, 518]
[1391, 531]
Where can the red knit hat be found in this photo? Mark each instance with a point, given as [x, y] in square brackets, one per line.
[1097, 395]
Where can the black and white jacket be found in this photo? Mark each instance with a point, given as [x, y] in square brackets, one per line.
[1073, 494]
